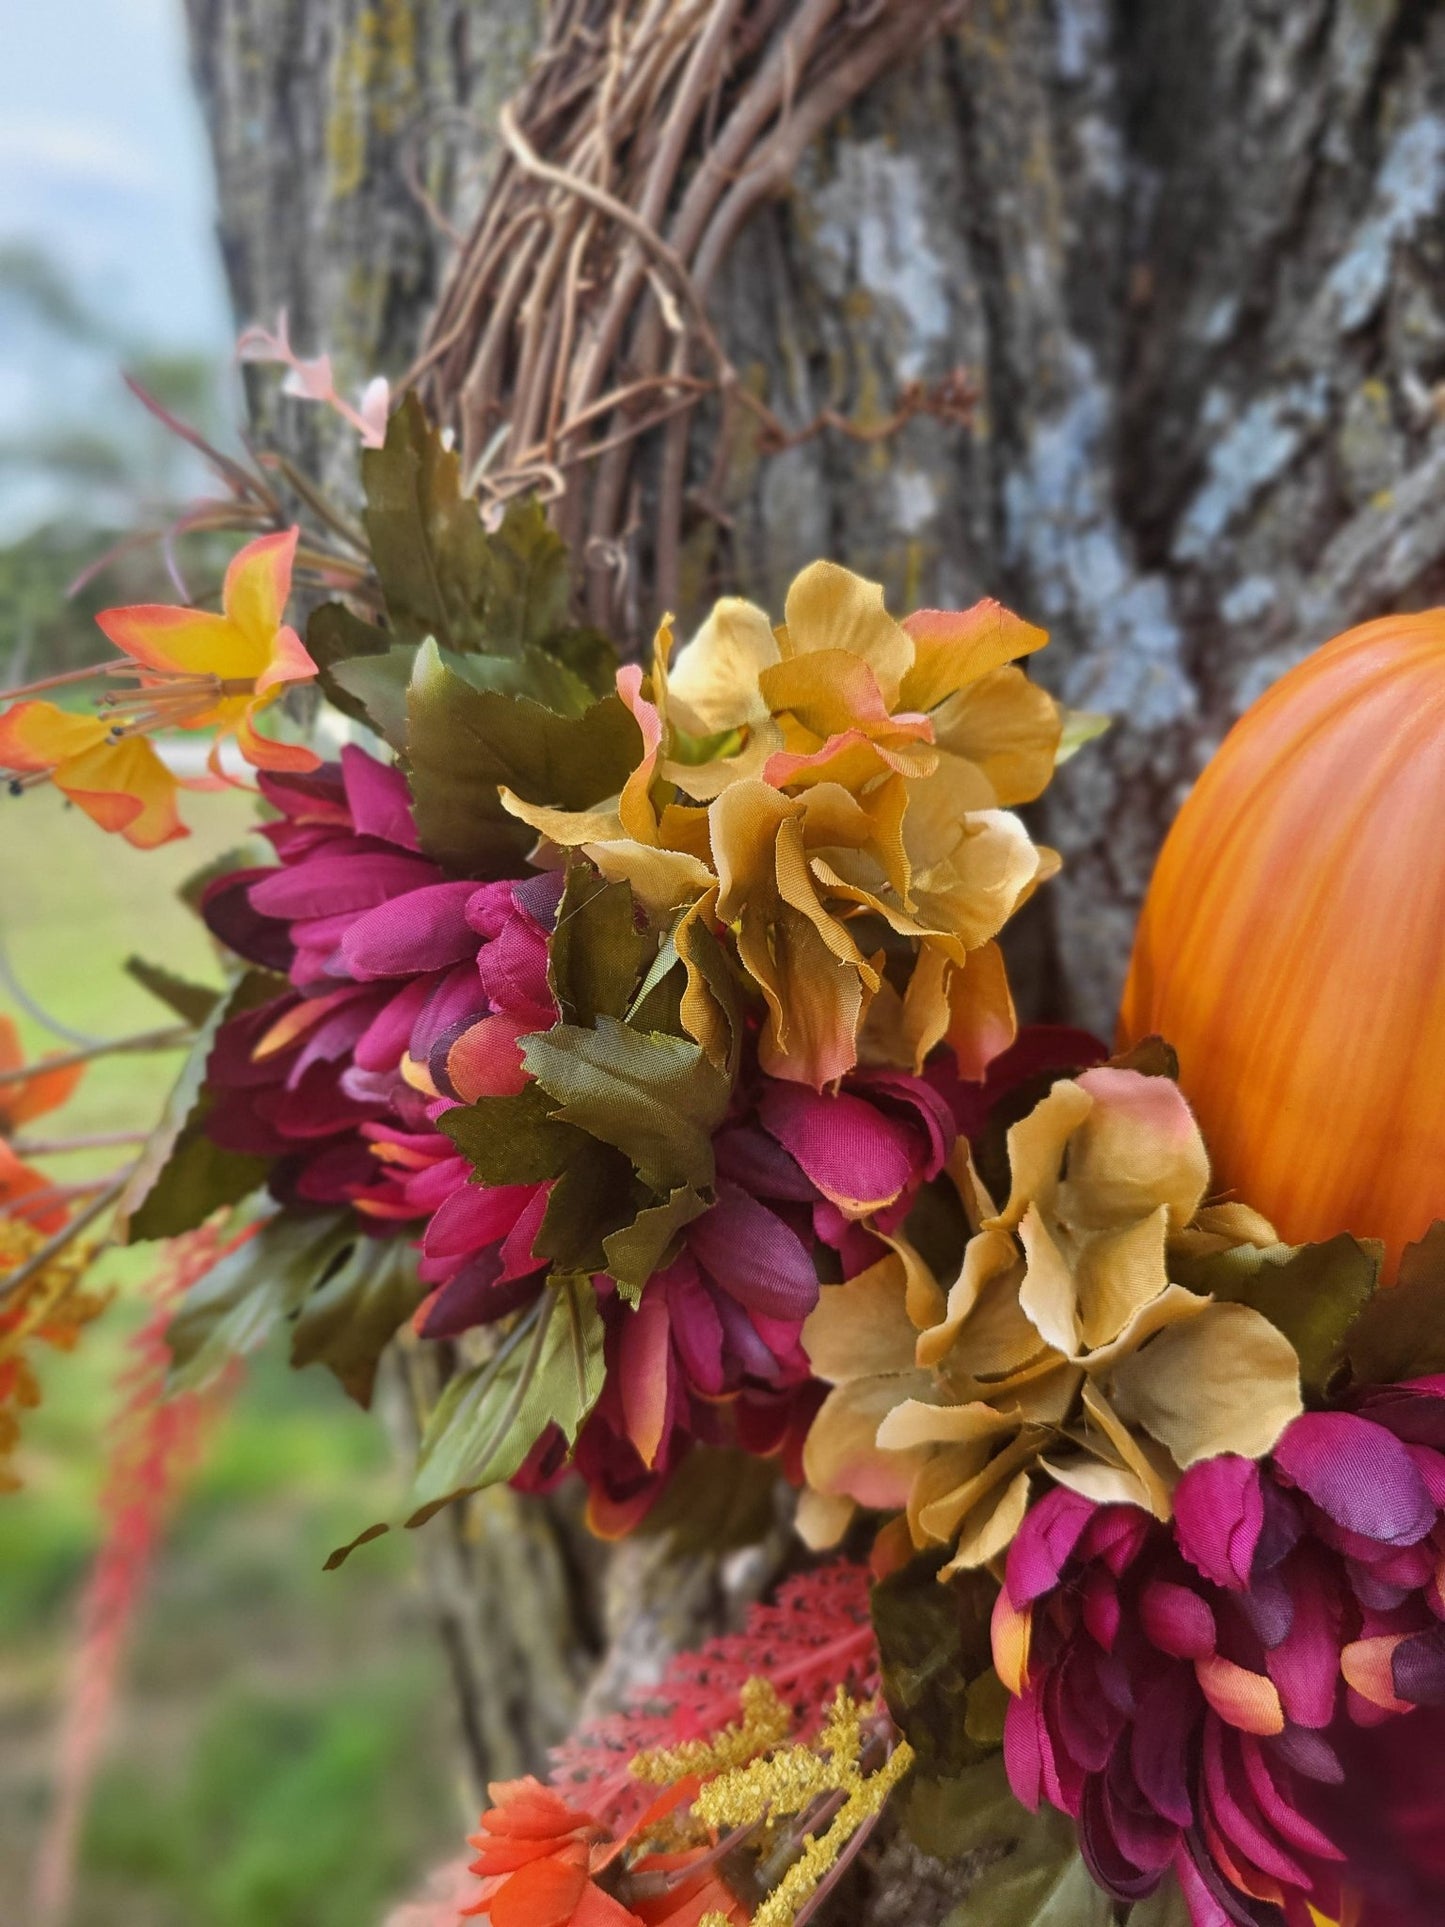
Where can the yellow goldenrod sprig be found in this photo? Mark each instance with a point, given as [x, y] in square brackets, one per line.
[764, 1723]
[789, 1781]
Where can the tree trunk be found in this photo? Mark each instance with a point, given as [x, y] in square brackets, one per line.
[1192, 256]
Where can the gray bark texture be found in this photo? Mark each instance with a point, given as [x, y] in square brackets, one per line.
[1192, 254]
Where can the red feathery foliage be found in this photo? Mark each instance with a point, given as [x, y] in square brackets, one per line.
[812, 1637]
[154, 1444]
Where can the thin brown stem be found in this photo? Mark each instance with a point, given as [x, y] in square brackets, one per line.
[176, 1037]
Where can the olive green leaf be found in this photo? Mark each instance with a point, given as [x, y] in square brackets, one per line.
[933, 1640]
[656, 1097]
[594, 1196]
[192, 1003]
[1314, 1294]
[1165, 1907]
[348, 1322]
[596, 952]
[514, 1140]
[488, 1419]
[426, 539]
[717, 1500]
[1401, 1331]
[247, 1292]
[375, 685]
[338, 642]
[633, 1253]
[548, 1370]
[463, 742]
[181, 1176]
[1039, 1881]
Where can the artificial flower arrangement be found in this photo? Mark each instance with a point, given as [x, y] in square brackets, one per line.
[637, 1038]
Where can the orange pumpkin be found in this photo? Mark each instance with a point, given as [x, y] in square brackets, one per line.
[1292, 945]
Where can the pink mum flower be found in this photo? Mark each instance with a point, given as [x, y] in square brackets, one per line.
[1255, 1695]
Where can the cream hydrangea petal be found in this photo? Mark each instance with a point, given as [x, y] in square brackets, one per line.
[956, 1481]
[713, 683]
[661, 880]
[982, 1021]
[986, 1257]
[1008, 729]
[1048, 1295]
[1227, 1381]
[1092, 1479]
[1174, 1306]
[822, 1518]
[841, 1455]
[1117, 1274]
[861, 1328]
[1036, 1146]
[970, 892]
[915, 1422]
[991, 1526]
[955, 647]
[1152, 1468]
[1139, 1148]
[569, 829]
[829, 607]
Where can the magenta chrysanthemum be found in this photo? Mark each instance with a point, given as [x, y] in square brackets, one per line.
[1255, 1696]
[410, 993]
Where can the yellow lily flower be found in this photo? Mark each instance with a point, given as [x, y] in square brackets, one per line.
[121, 785]
[206, 671]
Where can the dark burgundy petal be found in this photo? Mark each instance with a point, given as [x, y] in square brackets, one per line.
[474, 1297]
[1161, 1744]
[1419, 1668]
[759, 1165]
[1359, 1474]
[233, 920]
[754, 1256]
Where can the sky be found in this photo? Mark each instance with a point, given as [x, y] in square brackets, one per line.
[103, 166]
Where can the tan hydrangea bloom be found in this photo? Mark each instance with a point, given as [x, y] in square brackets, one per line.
[840, 768]
[1061, 1345]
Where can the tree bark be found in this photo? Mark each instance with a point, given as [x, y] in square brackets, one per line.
[1193, 257]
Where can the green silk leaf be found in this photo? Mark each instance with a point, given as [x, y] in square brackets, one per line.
[633, 1253]
[513, 1140]
[655, 1097]
[181, 1176]
[547, 1371]
[1314, 1294]
[192, 1003]
[1036, 1877]
[349, 1320]
[252, 1288]
[933, 1641]
[1401, 1331]
[462, 742]
[596, 952]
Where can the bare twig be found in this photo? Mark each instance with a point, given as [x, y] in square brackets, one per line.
[575, 320]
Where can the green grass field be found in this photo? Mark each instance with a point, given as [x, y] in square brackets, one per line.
[281, 1755]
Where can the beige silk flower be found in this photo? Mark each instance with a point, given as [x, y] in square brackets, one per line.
[1062, 1345]
[818, 785]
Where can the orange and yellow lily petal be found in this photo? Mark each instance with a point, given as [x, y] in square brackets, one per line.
[46, 1089]
[123, 786]
[247, 650]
